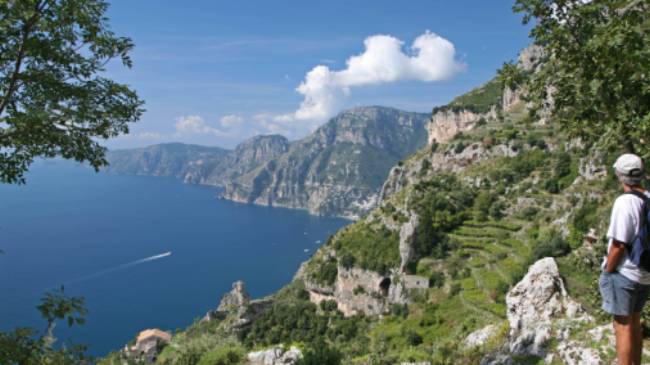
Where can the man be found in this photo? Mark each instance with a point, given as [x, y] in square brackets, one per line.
[625, 286]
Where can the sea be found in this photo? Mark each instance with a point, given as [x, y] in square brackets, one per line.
[143, 252]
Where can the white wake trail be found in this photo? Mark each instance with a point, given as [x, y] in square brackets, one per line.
[119, 267]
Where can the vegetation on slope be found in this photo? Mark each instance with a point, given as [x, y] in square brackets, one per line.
[479, 100]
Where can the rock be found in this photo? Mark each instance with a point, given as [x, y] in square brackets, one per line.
[446, 124]
[275, 356]
[480, 337]
[238, 308]
[406, 240]
[235, 299]
[534, 304]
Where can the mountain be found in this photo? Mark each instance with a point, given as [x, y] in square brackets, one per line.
[483, 248]
[170, 159]
[340, 168]
[337, 170]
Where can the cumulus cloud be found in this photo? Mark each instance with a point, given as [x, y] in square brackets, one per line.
[194, 124]
[430, 58]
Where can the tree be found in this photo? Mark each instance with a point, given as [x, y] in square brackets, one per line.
[595, 76]
[54, 100]
[23, 346]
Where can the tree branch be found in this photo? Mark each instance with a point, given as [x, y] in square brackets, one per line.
[27, 28]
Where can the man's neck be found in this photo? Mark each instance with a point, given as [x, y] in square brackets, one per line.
[627, 188]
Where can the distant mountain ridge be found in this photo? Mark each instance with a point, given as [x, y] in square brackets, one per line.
[337, 170]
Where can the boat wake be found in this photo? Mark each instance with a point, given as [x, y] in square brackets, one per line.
[119, 267]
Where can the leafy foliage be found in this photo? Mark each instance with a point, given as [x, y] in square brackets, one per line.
[597, 65]
[442, 205]
[23, 346]
[479, 100]
[371, 248]
[53, 99]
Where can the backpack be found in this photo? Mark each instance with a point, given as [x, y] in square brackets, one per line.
[639, 249]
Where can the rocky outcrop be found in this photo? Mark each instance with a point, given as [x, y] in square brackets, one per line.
[275, 356]
[480, 337]
[237, 307]
[407, 236]
[446, 124]
[540, 310]
[448, 160]
[538, 300]
[359, 291]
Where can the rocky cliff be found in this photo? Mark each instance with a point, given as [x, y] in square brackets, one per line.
[337, 170]
[340, 168]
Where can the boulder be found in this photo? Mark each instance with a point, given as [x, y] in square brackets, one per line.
[538, 300]
[480, 337]
[275, 356]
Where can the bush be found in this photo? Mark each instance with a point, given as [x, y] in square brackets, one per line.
[550, 244]
[412, 338]
[326, 273]
[436, 280]
[459, 148]
[528, 213]
[328, 305]
[231, 355]
[347, 260]
[455, 289]
[399, 310]
[320, 354]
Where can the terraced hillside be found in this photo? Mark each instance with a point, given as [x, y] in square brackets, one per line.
[458, 225]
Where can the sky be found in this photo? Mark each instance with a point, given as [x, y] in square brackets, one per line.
[218, 72]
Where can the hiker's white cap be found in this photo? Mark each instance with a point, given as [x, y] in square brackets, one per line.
[629, 165]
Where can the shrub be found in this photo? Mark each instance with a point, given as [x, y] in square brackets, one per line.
[550, 244]
[528, 213]
[231, 355]
[320, 354]
[328, 305]
[326, 273]
[459, 148]
[412, 338]
[347, 260]
[436, 280]
[455, 289]
[399, 310]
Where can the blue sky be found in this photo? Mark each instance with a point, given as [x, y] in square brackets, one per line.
[217, 72]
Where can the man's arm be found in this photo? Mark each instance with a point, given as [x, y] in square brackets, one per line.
[615, 254]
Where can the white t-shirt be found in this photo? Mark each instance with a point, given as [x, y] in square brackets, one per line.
[623, 227]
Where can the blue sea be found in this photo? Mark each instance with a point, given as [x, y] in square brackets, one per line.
[143, 251]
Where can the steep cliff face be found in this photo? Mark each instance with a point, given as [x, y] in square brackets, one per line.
[337, 170]
[481, 105]
[248, 156]
[340, 168]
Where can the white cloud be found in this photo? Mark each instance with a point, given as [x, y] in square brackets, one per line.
[231, 120]
[430, 58]
[194, 124]
[149, 135]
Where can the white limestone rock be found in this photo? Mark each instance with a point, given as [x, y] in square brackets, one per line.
[533, 306]
[480, 337]
[275, 356]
